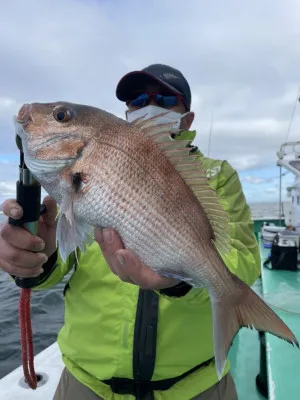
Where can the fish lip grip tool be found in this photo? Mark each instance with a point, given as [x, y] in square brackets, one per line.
[29, 197]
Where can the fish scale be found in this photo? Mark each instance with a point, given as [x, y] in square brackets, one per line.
[136, 178]
[150, 242]
[158, 226]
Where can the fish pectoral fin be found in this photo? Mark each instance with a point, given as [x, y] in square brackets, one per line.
[72, 232]
[244, 308]
[65, 236]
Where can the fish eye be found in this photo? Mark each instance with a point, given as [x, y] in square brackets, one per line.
[62, 115]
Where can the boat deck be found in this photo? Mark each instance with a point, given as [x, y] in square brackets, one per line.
[245, 360]
[282, 288]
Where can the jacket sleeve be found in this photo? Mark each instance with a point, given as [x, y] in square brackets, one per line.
[55, 271]
[243, 258]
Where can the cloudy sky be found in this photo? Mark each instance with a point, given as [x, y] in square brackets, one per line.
[242, 60]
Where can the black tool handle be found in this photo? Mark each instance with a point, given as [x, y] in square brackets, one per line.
[29, 198]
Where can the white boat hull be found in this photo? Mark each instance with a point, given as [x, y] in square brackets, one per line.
[48, 363]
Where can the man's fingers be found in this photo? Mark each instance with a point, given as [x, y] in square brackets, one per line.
[21, 258]
[109, 242]
[49, 218]
[12, 209]
[120, 269]
[134, 270]
[126, 265]
[98, 235]
[20, 238]
[19, 271]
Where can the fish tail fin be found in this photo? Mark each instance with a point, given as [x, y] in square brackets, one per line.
[243, 308]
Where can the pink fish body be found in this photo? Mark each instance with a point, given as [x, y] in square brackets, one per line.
[135, 178]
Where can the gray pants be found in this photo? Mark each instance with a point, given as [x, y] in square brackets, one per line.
[71, 389]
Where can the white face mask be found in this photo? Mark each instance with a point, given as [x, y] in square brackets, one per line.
[152, 111]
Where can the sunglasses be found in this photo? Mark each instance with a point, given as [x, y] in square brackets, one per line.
[163, 101]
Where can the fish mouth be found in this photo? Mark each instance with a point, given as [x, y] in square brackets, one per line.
[22, 120]
[24, 116]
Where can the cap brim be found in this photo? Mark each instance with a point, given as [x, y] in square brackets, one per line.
[135, 81]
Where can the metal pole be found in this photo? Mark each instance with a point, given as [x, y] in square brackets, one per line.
[280, 177]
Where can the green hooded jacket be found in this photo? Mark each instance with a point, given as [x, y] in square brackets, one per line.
[97, 338]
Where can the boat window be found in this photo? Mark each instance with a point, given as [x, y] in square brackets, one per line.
[295, 164]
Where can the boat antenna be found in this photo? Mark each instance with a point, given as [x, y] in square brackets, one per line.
[293, 114]
[210, 132]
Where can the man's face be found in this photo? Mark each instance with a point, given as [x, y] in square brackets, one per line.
[186, 121]
[180, 108]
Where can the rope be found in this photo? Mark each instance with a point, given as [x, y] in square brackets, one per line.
[26, 339]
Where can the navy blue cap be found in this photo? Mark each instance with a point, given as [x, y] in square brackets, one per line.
[166, 76]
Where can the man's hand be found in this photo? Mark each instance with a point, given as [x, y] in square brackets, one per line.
[126, 265]
[21, 253]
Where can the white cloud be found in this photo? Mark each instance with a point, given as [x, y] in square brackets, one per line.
[6, 103]
[240, 58]
[7, 188]
[272, 190]
[254, 180]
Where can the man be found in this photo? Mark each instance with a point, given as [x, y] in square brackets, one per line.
[128, 332]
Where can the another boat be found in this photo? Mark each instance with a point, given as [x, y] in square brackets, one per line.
[263, 366]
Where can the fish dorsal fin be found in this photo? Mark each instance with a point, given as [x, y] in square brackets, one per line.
[190, 168]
